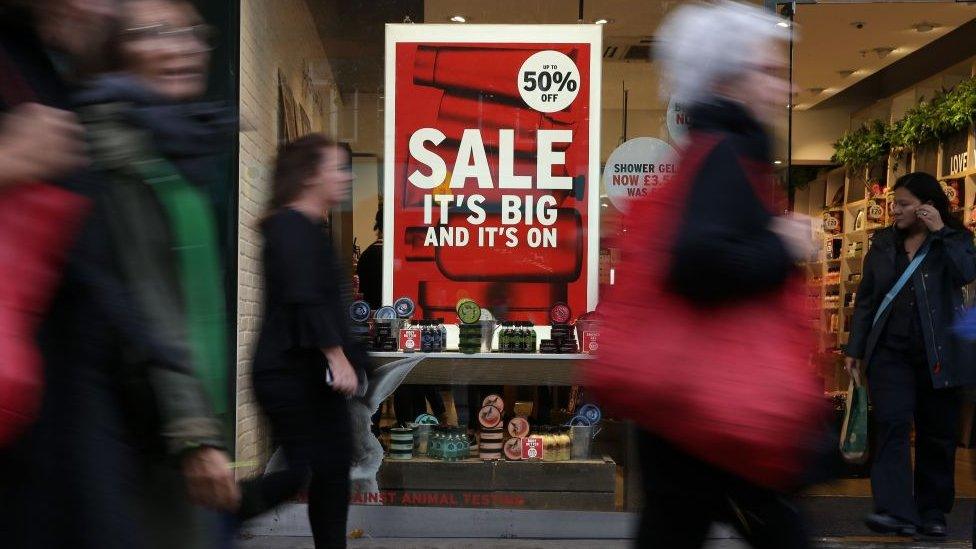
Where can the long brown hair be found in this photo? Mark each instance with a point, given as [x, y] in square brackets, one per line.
[297, 162]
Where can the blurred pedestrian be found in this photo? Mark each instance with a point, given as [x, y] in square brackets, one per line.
[719, 380]
[156, 147]
[63, 480]
[305, 364]
[914, 369]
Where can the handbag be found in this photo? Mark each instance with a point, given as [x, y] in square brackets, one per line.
[731, 385]
[854, 431]
[38, 223]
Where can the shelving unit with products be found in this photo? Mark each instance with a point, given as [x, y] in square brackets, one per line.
[848, 206]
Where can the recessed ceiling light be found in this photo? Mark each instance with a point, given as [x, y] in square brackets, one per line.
[777, 162]
[602, 21]
[459, 19]
[883, 51]
[783, 24]
[925, 26]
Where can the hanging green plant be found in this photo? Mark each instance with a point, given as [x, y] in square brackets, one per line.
[948, 112]
[863, 146]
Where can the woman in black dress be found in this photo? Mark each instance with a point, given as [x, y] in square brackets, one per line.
[303, 365]
[914, 366]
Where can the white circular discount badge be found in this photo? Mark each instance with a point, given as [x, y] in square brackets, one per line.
[636, 168]
[549, 81]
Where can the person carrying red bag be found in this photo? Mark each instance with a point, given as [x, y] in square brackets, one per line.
[719, 379]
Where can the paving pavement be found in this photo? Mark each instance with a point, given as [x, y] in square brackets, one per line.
[284, 542]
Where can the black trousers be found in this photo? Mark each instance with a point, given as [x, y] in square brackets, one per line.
[310, 423]
[902, 394]
[683, 497]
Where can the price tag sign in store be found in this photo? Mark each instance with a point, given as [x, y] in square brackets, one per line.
[636, 168]
[409, 340]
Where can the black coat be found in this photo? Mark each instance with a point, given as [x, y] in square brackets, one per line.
[949, 265]
[725, 250]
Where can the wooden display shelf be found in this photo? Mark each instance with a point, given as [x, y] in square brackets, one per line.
[490, 368]
[588, 485]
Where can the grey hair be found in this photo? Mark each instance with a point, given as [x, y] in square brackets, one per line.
[701, 45]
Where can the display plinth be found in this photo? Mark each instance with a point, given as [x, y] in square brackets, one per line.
[578, 485]
[453, 368]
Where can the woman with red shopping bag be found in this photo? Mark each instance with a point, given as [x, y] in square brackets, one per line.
[719, 381]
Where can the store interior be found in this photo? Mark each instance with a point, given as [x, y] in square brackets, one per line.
[852, 63]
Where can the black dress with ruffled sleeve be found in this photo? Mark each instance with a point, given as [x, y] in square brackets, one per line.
[305, 311]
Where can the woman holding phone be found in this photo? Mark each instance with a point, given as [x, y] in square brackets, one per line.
[909, 296]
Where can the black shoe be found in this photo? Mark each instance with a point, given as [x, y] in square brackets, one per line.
[887, 524]
[935, 529]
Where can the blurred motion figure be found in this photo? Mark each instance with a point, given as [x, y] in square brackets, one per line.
[157, 149]
[719, 378]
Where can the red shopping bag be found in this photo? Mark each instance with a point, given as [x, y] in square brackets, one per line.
[38, 222]
[731, 385]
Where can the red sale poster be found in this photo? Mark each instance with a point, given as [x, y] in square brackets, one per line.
[492, 167]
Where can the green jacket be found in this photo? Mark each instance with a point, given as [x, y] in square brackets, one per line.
[172, 409]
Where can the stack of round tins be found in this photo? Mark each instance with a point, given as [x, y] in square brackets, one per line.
[404, 307]
[513, 449]
[470, 338]
[401, 443]
[492, 441]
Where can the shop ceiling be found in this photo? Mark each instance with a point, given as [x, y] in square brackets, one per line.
[843, 44]
[843, 51]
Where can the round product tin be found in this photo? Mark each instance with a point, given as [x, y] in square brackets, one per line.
[468, 311]
[591, 412]
[513, 449]
[560, 313]
[404, 307]
[518, 427]
[489, 417]
[386, 313]
[494, 400]
[359, 311]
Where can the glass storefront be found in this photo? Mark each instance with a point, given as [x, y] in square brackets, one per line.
[494, 146]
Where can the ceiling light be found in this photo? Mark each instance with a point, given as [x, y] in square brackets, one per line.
[925, 26]
[777, 162]
[783, 24]
[883, 51]
[459, 19]
[602, 21]
[605, 205]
